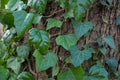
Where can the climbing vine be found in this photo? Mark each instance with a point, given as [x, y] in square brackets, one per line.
[19, 19]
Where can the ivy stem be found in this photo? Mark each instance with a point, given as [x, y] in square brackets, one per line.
[87, 38]
[53, 13]
[30, 69]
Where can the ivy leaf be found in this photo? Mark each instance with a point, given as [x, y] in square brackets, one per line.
[4, 73]
[38, 6]
[55, 70]
[12, 76]
[12, 5]
[79, 13]
[40, 39]
[25, 76]
[53, 23]
[22, 21]
[78, 57]
[118, 75]
[98, 69]
[96, 72]
[109, 40]
[8, 35]
[42, 63]
[103, 50]
[118, 21]
[71, 74]
[15, 4]
[69, 14]
[112, 63]
[37, 19]
[68, 60]
[84, 3]
[14, 64]
[82, 28]
[62, 4]
[66, 41]
[106, 3]
[23, 51]
[7, 19]
[38, 60]
[3, 52]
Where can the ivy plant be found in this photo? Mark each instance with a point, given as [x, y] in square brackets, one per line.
[26, 38]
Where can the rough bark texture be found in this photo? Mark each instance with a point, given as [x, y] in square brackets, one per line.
[96, 14]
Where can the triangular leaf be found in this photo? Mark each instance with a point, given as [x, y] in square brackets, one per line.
[38, 60]
[40, 39]
[66, 41]
[96, 72]
[23, 51]
[103, 50]
[44, 63]
[82, 28]
[38, 6]
[78, 57]
[55, 70]
[4, 73]
[53, 23]
[25, 76]
[14, 64]
[71, 74]
[118, 21]
[22, 21]
[112, 64]
[109, 40]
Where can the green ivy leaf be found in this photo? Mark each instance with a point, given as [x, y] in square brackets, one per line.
[12, 76]
[15, 4]
[68, 14]
[68, 60]
[8, 19]
[107, 3]
[22, 21]
[103, 50]
[3, 52]
[66, 41]
[23, 51]
[79, 13]
[118, 21]
[38, 60]
[14, 64]
[62, 4]
[112, 63]
[78, 57]
[118, 75]
[55, 70]
[25, 76]
[8, 35]
[84, 3]
[50, 79]
[37, 19]
[40, 39]
[96, 72]
[75, 8]
[74, 73]
[109, 40]
[42, 63]
[53, 23]
[82, 28]
[4, 73]
[38, 6]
